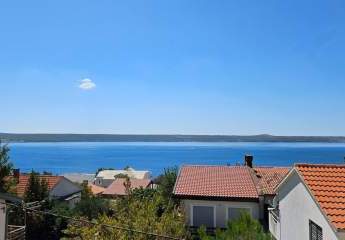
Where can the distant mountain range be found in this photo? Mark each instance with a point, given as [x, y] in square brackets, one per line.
[9, 137]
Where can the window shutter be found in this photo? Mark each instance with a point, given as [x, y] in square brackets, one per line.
[203, 215]
[315, 231]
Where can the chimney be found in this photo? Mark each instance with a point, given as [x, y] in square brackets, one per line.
[248, 160]
[16, 173]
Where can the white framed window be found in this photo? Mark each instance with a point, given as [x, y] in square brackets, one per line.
[234, 213]
[315, 231]
[203, 215]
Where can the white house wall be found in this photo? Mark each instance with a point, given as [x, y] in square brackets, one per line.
[297, 207]
[220, 208]
[64, 188]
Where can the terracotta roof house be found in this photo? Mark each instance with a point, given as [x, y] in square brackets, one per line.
[118, 189]
[59, 187]
[23, 182]
[310, 203]
[268, 178]
[214, 195]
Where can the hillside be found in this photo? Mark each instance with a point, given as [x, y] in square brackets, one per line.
[8, 137]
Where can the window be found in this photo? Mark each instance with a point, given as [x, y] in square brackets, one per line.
[235, 213]
[315, 231]
[203, 215]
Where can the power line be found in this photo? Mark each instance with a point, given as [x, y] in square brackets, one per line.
[122, 228]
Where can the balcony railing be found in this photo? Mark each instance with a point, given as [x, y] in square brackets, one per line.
[15, 232]
[273, 222]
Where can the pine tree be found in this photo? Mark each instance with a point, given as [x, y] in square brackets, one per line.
[37, 190]
[166, 183]
[6, 166]
[86, 192]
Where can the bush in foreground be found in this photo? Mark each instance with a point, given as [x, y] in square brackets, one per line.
[244, 228]
[141, 210]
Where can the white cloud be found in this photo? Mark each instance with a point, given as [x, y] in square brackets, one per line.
[87, 84]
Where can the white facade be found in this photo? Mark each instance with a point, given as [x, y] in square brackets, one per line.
[73, 200]
[106, 177]
[297, 208]
[220, 210]
[2, 219]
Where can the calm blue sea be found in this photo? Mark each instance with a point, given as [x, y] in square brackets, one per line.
[88, 157]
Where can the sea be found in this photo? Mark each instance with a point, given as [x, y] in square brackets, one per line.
[87, 157]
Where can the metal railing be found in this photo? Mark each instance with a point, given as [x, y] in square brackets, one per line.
[273, 222]
[15, 232]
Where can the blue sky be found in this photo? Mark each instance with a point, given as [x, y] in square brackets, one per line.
[184, 67]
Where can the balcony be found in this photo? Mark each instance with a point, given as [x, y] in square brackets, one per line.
[15, 232]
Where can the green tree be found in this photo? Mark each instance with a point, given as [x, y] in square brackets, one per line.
[38, 226]
[92, 207]
[48, 227]
[121, 175]
[37, 189]
[139, 210]
[166, 183]
[102, 168]
[6, 167]
[143, 193]
[243, 228]
[86, 192]
[127, 168]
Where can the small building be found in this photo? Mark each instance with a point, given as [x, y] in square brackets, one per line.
[310, 204]
[214, 195]
[79, 177]
[105, 177]
[118, 189]
[9, 231]
[60, 188]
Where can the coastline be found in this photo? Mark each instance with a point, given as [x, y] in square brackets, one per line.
[54, 138]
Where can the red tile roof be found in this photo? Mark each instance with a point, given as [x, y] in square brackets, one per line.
[327, 184]
[215, 182]
[268, 178]
[96, 189]
[117, 187]
[24, 181]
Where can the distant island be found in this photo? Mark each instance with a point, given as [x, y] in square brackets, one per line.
[11, 137]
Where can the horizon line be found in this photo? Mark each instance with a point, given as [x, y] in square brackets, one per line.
[172, 134]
